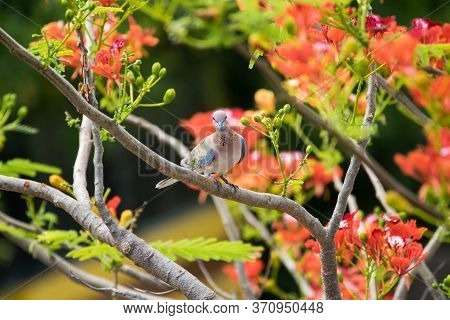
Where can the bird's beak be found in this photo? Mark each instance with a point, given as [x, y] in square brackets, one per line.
[220, 126]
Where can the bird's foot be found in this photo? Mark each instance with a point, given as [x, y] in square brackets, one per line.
[235, 187]
[217, 182]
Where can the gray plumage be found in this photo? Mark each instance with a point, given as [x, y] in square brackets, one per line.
[215, 154]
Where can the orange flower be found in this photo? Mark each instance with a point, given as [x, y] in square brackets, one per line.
[321, 176]
[397, 51]
[108, 64]
[290, 232]
[138, 37]
[252, 269]
[112, 204]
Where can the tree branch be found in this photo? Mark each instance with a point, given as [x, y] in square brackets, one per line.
[380, 193]
[130, 245]
[328, 251]
[264, 200]
[351, 203]
[403, 99]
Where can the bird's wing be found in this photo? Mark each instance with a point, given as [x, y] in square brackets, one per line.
[243, 148]
[201, 156]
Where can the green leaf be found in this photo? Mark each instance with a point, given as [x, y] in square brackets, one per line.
[56, 239]
[15, 232]
[23, 128]
[99, 10]
[256, 54]
[207, 249]
[108, 256]
[17, 167]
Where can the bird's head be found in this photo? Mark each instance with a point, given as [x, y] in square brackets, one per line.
[220, 120]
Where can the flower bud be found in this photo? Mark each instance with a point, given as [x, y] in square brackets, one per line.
[308, 149]
[140, 81]
[245, 121]
[277, 122]
[156, 68]
[125, 218]
[257, 119]
[162, 72]
[69, 14]
[130, 75]
[169, 95]
[22, 112]
[287, 108]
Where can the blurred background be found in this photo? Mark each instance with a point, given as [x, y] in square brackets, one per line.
[204, 80]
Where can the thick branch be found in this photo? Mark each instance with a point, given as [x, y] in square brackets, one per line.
[327, 248]
[131, 245]
[347, 145]
[251, 198]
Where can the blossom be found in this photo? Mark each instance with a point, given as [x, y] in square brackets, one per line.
[138, 37]
[397, 51]
[108, 64]
[290, 232]
[321, 176]
[252, 270]
[376, 25]
[426, 30]
[347, 237]
[112, 205]
[265, 100]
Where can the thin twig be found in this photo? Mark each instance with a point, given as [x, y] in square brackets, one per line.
[51, 259]
[212, 283]
[233, 234]
[112, 291]
[403, 99]
[17, 223]
[380, 193]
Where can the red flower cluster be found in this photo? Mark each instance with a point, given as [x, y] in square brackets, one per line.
[429, 164]
[394, 248]
[107, 58]
[253, 269]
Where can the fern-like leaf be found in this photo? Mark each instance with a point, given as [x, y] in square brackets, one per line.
[56, 239]
[17, 167]
[108, 256]
[15, 232]
[207, 249]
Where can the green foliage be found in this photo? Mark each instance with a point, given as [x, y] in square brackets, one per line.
[444, 286]
[7, 109]
[207, 249]
[426, 52]
[72, 122]
[50, 51]
[15, 232]
[40, 218]
[24, 167]
[57, 239]
[108, 256]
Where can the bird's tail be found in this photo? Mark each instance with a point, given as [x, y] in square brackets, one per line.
[165, 183]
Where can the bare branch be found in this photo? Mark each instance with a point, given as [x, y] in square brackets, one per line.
[212, 283]
[347, 145]
[17, 223]
[166, 167]
[380, 193]
[128, 244]
[424, 272]
[434, 71]
[351, 203]
[327, 248]
[163, 137]
[403, 99]
[234, 235]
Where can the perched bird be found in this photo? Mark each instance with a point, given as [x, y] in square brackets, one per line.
[215, 154]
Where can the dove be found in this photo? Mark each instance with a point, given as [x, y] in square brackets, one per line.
[215, 154]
